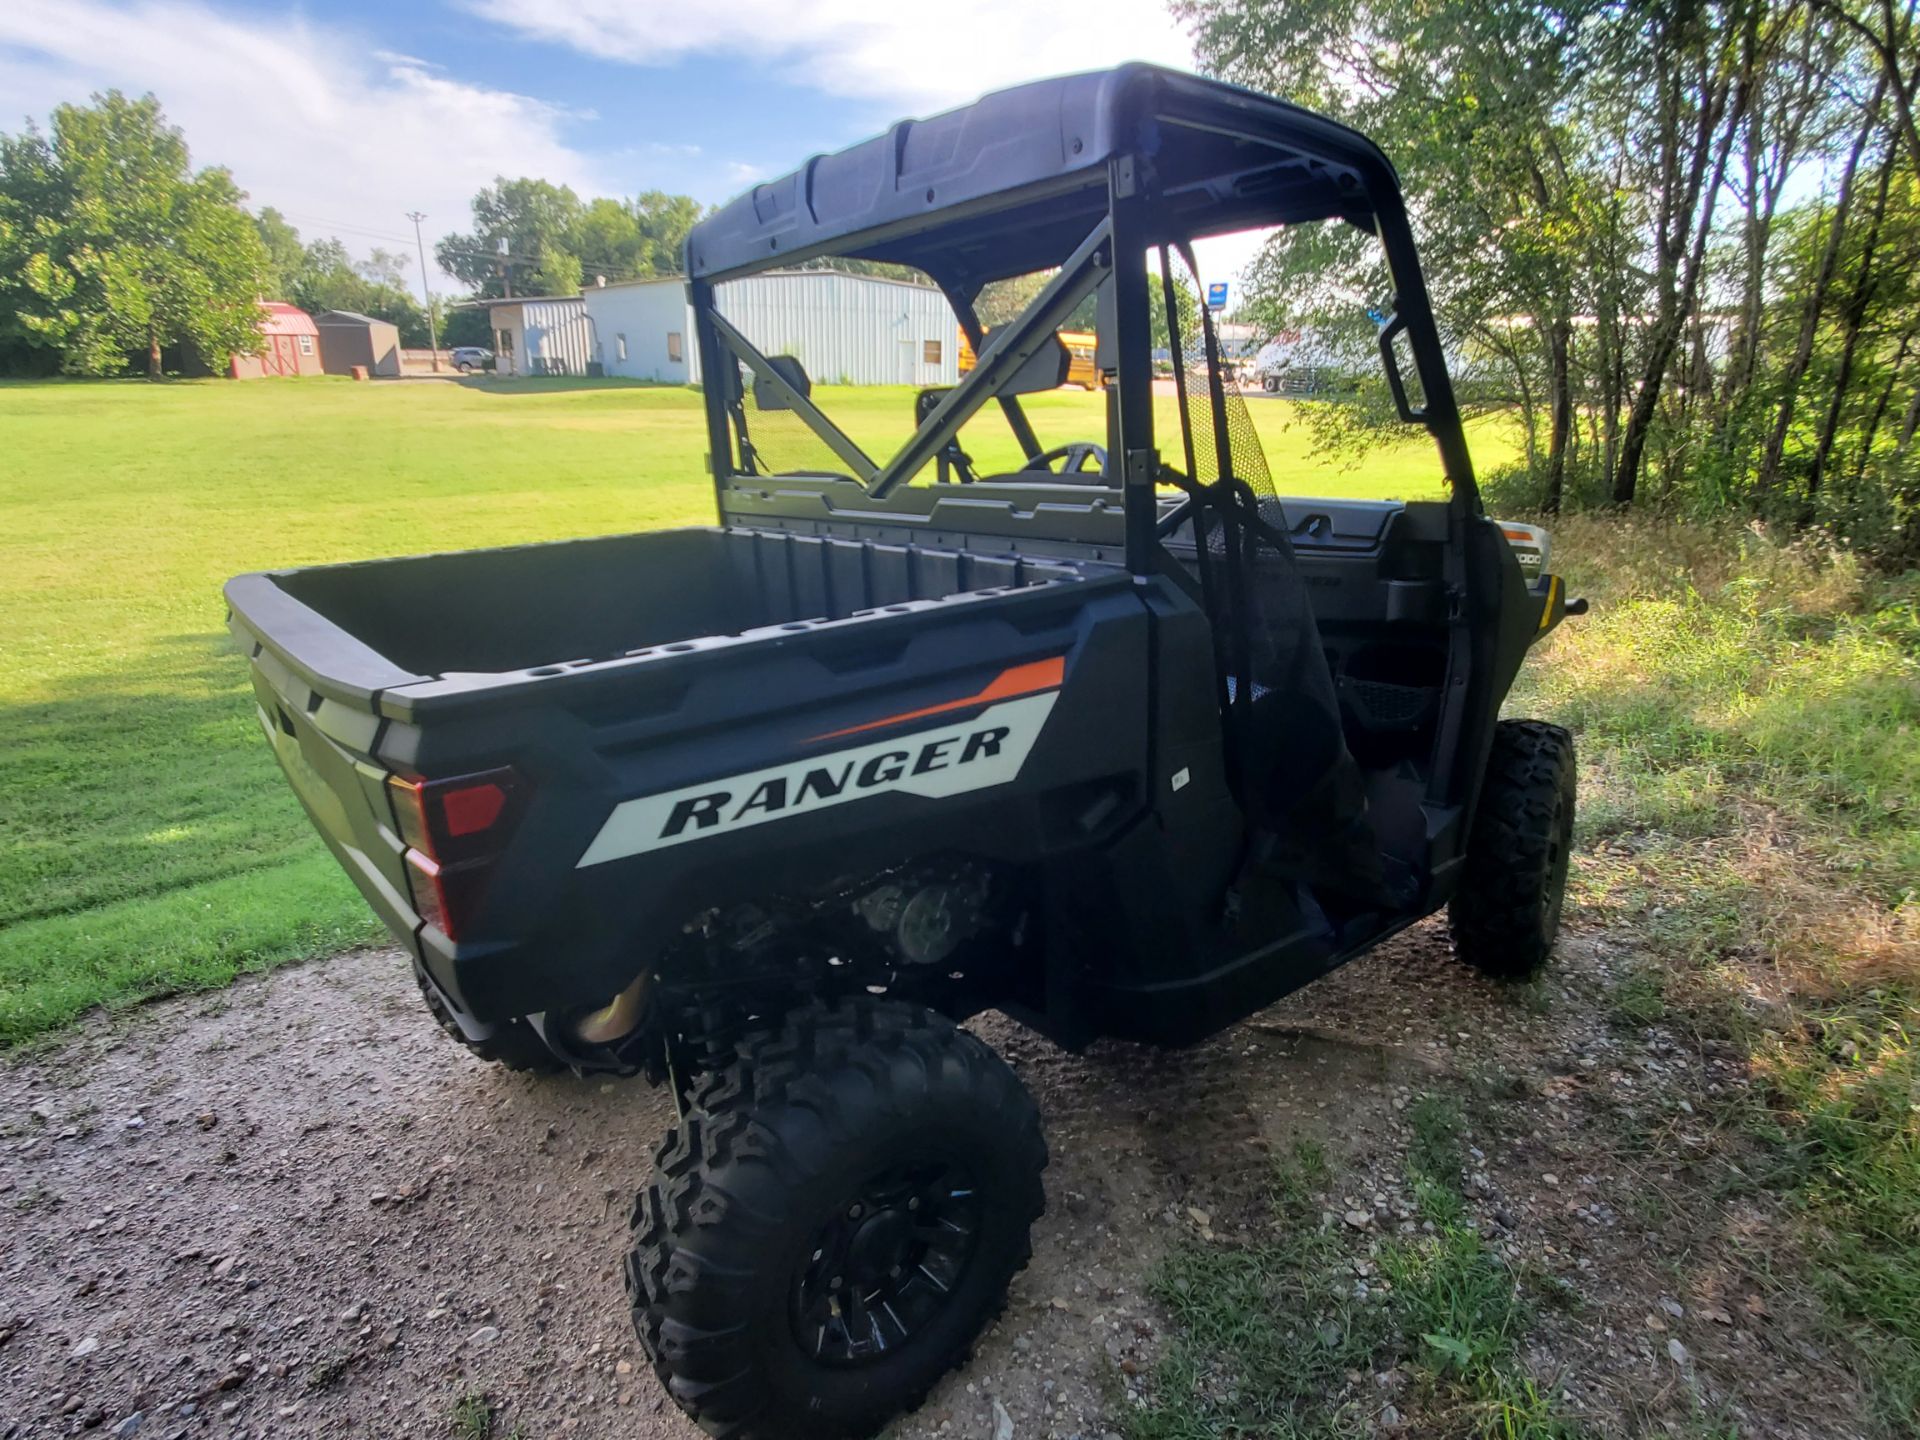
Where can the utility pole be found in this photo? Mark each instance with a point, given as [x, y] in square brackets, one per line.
[433, 330]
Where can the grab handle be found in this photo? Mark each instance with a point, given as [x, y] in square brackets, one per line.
[1389, 332]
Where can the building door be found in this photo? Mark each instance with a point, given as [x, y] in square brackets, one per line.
[909, 366]
[280, 358]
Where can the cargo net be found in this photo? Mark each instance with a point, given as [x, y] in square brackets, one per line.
[1302, 790]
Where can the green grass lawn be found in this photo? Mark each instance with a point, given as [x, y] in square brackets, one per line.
[147, 841]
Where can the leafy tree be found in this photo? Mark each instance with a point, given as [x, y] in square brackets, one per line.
[608, 242]
[37, 286]
[467, 325]
[387, 268]
[1662, 237]
[520, 242]
[330, 279]
[1003, 301]
[321, 275]
[536, 238]
[664, 221]
[111, 245]
[637, 238]
[286, 257]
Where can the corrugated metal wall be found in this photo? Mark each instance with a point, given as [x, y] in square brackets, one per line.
[848, 329]
[559, 337]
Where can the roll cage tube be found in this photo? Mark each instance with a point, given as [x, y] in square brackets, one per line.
[1413, 313]
[1012, 346]
[765, 373]
[1174, 149]
[975, 332]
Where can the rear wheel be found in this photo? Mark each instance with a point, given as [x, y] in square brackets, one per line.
[833, 1222]
[513, 1044]
[1506, 913]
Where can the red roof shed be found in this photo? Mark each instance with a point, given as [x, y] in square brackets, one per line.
[289, 344]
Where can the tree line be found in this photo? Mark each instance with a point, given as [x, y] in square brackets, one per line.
[1676, 241]
[116, 254]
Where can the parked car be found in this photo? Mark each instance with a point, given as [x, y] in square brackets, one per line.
[469, 358]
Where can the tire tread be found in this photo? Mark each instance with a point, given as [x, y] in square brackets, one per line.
[826, 1060]
[1498, 915]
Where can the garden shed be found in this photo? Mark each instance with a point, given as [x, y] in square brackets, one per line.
[289, 344]
[348, 338]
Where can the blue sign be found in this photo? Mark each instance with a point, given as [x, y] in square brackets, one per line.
[1217, 295]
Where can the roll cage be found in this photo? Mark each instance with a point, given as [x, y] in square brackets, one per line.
[1088, 175]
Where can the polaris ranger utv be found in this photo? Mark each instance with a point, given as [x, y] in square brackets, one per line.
[1117, 740]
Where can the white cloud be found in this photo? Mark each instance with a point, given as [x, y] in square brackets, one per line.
[341, 137]
[920, 56]
[908, 55]
[346, 137]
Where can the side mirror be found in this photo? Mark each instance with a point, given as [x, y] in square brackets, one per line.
[1046, 368]
[789, 369]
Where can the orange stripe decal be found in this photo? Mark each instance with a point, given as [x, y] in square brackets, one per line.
[1028, 679]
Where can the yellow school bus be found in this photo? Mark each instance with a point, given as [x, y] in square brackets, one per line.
[1080, 370]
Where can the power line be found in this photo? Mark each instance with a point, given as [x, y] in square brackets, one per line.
[360, 230]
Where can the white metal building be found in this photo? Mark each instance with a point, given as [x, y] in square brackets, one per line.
[645, 330]
[845, 329]
[552, 335]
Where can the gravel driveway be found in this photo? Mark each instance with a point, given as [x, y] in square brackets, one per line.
[294, 1209]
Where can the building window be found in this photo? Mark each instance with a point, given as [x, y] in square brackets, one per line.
[504, 345]
[674, 355]
[930, 352]
[620, 346]
[306, 344]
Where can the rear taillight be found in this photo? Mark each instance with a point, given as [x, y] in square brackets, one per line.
[454, 830]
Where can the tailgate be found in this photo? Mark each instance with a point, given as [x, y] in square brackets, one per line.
[316, 696]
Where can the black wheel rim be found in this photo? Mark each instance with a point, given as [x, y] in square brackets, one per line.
[886, 1263]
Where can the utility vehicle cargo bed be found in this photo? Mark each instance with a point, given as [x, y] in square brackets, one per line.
[493, 619]
[569, 679]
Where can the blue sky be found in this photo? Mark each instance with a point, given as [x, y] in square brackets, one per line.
[347, 115]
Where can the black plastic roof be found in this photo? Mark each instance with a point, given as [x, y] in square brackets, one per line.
[1012, 182]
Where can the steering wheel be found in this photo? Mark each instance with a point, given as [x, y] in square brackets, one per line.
[1074, 459]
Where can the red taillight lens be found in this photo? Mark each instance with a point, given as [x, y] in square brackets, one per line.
[472, 809]
[454, 830]
[458, 819]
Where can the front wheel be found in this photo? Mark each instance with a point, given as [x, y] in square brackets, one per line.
[833, 1222]
[1506, 913]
